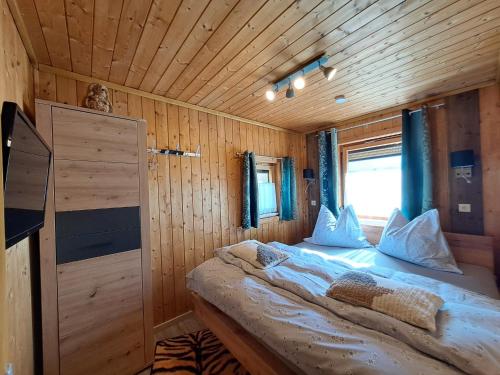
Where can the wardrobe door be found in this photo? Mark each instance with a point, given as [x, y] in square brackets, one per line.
[98, 243]
[100, 314]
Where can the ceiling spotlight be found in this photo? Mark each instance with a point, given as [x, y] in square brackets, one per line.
[340, 99]
[289, 92]
[270, 95]
[299, 83]
[329, 72]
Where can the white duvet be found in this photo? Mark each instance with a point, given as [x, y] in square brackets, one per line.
[287, 309]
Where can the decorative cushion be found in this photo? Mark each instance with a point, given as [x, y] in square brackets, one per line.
[419, 241]
[342, 232]
[399, 300]
[258, 254]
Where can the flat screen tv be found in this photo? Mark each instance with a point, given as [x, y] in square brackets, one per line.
[26, 163]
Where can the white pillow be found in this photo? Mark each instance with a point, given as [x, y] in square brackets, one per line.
[419, 241]
[344, 232]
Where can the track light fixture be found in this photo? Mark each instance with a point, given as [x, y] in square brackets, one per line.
[289, 92]
[270, 95]
[297, 78]
[329, 72]
[299, 83]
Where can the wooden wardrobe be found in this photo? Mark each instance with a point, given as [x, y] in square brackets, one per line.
[94, 248]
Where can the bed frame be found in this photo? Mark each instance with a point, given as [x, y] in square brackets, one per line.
[254, 356]
[259, 360]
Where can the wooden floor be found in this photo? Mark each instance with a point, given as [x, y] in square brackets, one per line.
[186, 323]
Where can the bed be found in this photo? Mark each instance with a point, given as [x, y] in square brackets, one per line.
[274, 329]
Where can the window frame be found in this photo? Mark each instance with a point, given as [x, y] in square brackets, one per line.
[273, 166]
[343, 169]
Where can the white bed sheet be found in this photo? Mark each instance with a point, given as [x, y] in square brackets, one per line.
[475, 278]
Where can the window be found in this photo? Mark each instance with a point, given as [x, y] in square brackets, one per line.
[268, 207]
[373, 180]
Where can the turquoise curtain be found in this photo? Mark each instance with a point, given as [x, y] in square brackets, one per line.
[288, 190]
[416, 164]
[328, 170]
[250, 201]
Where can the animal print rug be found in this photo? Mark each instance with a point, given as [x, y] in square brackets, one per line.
[198, 353]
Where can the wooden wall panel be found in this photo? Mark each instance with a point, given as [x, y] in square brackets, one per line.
[16, 338]
[194, 203]
[489, 104]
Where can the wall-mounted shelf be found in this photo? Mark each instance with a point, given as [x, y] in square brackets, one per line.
[176, 152]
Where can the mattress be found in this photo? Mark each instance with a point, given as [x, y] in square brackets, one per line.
[281, 307]
[475, 278]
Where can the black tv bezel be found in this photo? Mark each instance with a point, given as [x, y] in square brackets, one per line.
[9, 112]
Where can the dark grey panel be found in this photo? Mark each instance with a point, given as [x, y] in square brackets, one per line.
[91, 233]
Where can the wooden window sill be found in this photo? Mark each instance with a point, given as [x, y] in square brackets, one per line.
[269, 219]
[373, 222]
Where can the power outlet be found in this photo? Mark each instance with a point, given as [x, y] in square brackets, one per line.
[313, 203]
[464, 207]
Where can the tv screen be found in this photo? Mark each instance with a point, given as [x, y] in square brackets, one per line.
[26, 163]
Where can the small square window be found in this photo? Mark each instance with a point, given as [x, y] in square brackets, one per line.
[267, 193]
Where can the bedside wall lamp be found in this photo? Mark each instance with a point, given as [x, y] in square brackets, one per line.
[308, 175]
[462, 162]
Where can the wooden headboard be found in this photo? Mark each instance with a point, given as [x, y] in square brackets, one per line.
[466, 248]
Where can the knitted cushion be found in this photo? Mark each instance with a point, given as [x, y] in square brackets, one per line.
[399, 300]
[258, 254]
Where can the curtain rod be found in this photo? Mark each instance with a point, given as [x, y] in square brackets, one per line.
[240, 154]
[440, 105]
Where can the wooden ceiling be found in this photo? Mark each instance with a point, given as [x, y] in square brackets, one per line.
[223, 54]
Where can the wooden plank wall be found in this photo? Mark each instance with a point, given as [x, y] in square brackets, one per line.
[489, 135]
[489, 109]
[195, 203]
[16, 331]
